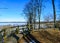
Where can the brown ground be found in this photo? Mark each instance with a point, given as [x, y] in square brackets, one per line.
[22, 40]
[47, 36]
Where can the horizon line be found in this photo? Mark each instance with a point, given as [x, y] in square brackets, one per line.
[13, 22]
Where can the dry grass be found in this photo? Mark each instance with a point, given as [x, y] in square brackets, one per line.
[22, 40]
[10, 40]
[47, 36]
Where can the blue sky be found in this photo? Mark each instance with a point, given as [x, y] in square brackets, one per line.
[49, 9]
[11, 10]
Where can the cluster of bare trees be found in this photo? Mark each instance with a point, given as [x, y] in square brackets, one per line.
[33, 9]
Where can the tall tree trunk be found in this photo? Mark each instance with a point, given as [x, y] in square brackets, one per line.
[34, 17]
[39, 10]
[54, 12]
[31, 15]
[39, 17]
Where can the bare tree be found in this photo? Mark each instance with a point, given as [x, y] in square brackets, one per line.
[29, 14]
[48, 18]
[39, 9]
[31, 10]
[54, 12]
[34, 12]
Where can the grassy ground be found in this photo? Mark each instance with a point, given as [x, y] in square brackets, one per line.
[22, 40]
[47, 36]
[43, 35]
[10, 40]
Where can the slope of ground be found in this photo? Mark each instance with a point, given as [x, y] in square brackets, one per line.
[47, 36]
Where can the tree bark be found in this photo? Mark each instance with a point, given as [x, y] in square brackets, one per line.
[54, 12]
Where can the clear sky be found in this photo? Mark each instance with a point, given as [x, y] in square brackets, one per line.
[11, 10]
[48, 9]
